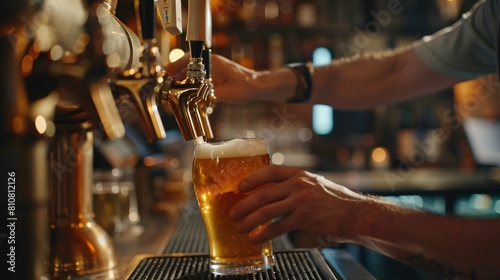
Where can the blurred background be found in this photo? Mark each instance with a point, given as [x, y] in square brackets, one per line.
[267, 34]
[427, 138]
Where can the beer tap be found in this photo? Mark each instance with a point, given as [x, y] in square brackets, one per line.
[191, 99]
[136, 89]
[144, 88]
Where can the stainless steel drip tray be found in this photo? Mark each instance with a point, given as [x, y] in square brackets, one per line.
[291, 264]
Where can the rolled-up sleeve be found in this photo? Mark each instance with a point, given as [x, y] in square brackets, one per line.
[467, 49]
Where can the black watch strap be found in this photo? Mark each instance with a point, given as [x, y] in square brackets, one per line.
[304, 82]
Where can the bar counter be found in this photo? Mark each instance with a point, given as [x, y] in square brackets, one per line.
[448, 183]
[180, 233]
[418, 180]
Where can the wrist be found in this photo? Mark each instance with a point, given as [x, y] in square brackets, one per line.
[278, 85]
[366, 223]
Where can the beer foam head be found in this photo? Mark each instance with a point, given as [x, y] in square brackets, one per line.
[231, 148]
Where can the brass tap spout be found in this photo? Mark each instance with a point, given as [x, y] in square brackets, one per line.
[190, 101]
[205, 108]
[136, 92]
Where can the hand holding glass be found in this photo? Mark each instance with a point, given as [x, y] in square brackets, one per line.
[217, 170]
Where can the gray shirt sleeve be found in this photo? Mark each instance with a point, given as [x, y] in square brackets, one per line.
[467, 49]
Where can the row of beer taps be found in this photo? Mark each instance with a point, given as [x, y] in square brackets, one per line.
[148, 86]
[71, 75]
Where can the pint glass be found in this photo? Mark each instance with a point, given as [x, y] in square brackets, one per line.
[217, 170]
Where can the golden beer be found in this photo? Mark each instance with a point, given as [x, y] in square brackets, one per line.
[217, 170]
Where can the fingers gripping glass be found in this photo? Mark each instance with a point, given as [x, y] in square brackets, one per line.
[217, 170]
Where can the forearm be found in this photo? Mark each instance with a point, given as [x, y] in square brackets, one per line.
[362, 81]
[445, 246]
[358, 82]
[276, 86]
[374, 79]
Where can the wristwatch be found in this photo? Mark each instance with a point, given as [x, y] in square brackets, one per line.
[304, 82]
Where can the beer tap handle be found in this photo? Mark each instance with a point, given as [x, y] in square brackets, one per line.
[147, 17]
[170, 14]
[143, 81]
[191, 99]
[199, 29]
[206, 55]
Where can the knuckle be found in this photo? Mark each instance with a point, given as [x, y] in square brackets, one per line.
[301, 182]
[298, 181]
[308, 194]
[273, 169]
[262, 196]
[266, 214]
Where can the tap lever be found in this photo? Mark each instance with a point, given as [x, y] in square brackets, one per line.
[150, 61]
[196, 49]
[147, 17]
[206, 55]
[199, 28]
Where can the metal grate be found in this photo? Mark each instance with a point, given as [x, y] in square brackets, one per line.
[296, 264]
[191, 236]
